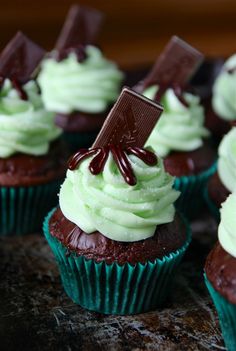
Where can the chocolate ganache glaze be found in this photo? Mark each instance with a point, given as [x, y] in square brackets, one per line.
[101, 154]
[167, 238]
[221, 271]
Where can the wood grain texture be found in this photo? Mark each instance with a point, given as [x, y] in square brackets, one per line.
[135, 31]
[35, 313]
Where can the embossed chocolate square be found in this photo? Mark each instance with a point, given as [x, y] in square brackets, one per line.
[175, 65]
[130, 121]
[20, 58]
[81, 27]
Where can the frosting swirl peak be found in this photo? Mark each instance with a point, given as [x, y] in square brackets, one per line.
[88, 86]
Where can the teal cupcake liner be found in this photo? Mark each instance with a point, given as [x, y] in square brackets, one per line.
[77, 140]
[113, 288]
[23, 209]
[192, 188]
[215, 211]
[227, 316]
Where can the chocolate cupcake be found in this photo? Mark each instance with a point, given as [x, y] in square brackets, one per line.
[78, 83]
[32, 156]
[223, 182]
[116, 236]
[220, 273]
[180, 135]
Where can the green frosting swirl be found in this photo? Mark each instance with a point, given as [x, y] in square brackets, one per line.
[90, 86]
[227, 160]
[119, 211]
[224, 91]
[25, 125]
[180, 128]
[226, 230]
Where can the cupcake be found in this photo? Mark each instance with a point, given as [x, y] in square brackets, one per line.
[32, 156]
[220, 272]
[180, 136]
[224, 91]
[77, 82]
[116, 235]
[223, 182]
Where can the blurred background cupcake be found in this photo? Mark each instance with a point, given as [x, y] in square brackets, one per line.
[220, 272]
[180, 136]
[77, 81]
[32, 155]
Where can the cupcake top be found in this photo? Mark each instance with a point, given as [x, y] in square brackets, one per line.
[227, 160]
[82, 81]
[124, 205]
[224, 101]
[226, 230]
[25, 125]
[181, 126]
[118, 188]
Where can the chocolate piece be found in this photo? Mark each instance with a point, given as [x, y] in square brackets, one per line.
[174, 67]
[20, 58]
[119, 154]
[167, 238]
[221, 272]
[130, 121]
[81, 28]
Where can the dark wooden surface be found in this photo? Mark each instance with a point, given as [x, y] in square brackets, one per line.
[35, 313]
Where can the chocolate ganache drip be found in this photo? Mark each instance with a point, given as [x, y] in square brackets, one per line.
[97, 164]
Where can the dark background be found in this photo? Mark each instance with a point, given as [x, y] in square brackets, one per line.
[134, 31]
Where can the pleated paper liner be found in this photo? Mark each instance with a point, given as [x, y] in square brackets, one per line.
[227, 316]
[24, 208]
[113, 288]
[192, 188]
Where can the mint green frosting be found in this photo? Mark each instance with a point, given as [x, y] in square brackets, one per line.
[224, 91]
[226, 230]
[227, 160]
[106, 203]
[89, 86]
[25, 125]
[180, 128]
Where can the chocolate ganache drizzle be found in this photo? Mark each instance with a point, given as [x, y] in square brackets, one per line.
[97, 164]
